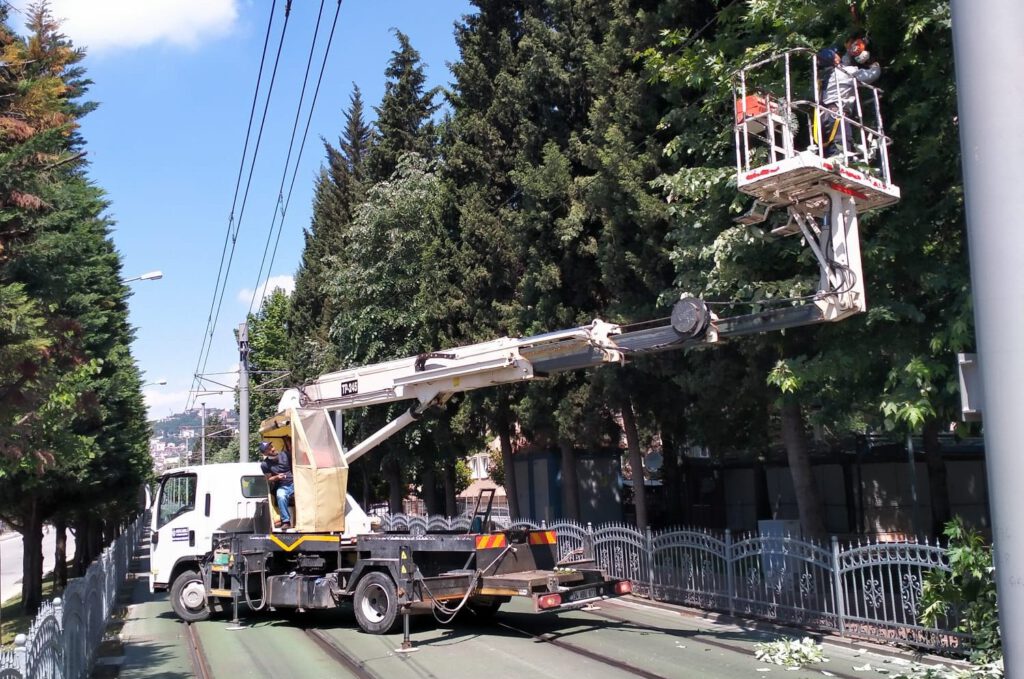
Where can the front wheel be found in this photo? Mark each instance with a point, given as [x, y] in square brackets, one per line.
[188, 597]
[376, 603]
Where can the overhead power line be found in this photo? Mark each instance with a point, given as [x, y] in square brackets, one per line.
[282, 201]
[233, 227]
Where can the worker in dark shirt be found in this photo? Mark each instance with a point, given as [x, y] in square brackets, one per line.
[277, 467]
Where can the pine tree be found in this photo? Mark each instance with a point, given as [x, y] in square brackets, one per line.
[340, 189]
[403, 117]
[75, 434]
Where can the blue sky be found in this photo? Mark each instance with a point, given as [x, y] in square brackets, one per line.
[175, 81]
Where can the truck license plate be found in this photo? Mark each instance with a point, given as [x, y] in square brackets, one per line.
[581, 594]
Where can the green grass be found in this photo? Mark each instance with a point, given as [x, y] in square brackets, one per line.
[13, 621]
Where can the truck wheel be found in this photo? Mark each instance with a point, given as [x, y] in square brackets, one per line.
[376, 603]
[188, 597]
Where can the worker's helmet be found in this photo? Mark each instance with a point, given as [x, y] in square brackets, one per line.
[266, 448]
[826, 57]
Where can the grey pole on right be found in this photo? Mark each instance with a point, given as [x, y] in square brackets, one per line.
[243, 393]
[202, 456]
[989, 57]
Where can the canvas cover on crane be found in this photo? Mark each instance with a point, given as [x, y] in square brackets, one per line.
[318, 466]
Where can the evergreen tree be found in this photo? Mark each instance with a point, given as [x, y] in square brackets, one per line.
[340, 189]
[74, 432]
[403, 117]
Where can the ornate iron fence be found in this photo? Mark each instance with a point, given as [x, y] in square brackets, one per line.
[863, 590]
[62, 641]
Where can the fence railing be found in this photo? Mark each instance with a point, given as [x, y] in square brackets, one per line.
[866, 590]
[64, 636]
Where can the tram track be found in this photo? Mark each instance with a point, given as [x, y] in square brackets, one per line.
[200, 666]
[742, 650]
[553, 639]
[339, 655]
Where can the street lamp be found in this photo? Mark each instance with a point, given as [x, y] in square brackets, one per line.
[148, 276]
[160, 382]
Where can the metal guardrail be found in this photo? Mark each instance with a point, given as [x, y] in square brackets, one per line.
[865, 590]
[64, 636]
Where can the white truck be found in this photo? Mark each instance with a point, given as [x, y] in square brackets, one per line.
[213, 540]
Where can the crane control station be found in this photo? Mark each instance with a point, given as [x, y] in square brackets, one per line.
[214, 539]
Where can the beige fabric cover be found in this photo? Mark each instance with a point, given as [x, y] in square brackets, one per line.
[320, 471]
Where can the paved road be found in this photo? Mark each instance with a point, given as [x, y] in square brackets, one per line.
[11, 551]
[625, 638]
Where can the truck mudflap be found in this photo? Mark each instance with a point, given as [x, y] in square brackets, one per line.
[569, 598]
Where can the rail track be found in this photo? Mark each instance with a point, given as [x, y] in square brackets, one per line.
[725, 646]
[339, 655]
[200, 665]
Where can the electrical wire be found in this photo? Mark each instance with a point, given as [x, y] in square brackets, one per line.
[281, 200]
[231, 236]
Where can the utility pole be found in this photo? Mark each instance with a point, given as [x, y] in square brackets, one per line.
[986, 34]
[203, 458]
[243, 392]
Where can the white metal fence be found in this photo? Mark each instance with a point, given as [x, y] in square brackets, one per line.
[64, 636]
[866, 590]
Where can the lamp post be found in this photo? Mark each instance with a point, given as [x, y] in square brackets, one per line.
[148, 276]
[160, 382]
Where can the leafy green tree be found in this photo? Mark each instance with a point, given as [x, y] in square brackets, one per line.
[967, 592]
[268, 358]
[854, 373]
[392, 289]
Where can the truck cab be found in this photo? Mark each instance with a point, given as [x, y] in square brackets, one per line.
[194, 503]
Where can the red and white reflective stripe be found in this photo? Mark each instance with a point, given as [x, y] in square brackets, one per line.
[847, 190]
[543, 537]
[490, 541]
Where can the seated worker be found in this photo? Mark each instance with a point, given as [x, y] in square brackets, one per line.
[277, 467]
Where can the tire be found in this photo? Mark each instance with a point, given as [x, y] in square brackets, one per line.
[188, 597]
[376, 603]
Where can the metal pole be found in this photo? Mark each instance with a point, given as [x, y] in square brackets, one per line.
[203, 448]
[986, 34]
[243, 393]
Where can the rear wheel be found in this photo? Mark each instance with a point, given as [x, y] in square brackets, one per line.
[188, 597]
[376, 603]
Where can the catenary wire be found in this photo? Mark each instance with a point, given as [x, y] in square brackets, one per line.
[196, 381]
[305, 133]
[291, 145]
[219, 297]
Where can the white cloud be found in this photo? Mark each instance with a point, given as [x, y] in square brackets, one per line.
[109, 25]
[286, 283]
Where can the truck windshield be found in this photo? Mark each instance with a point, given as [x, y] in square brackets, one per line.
[177, 496]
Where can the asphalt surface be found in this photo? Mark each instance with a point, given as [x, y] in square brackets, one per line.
[622, 638]
[11, 552]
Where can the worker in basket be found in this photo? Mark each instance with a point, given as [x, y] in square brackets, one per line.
[277, 467]
[839, 75]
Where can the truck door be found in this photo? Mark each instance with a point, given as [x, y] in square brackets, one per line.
[175, 521]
